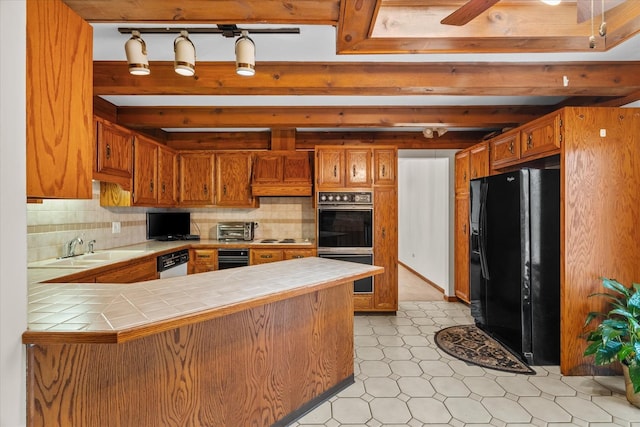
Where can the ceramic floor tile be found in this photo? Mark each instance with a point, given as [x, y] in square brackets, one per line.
[381, 387]
[416, 387]
[518, 385]
[397, 353]
[619, 407]
[506, 410]
[428, 410]
[374, 368]
[450, 387]
[583, 409]
[484, 386]
[467, 410]
[545, 410]
[350, 410]
[406, 368]
[552, 386]
[389, 411]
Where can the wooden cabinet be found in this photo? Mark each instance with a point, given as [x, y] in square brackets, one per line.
[298, 253]
[358, 167]
[340, 167]
[145, 189]
[59, 110]
[233, 175]
[386, 248]
[479, 160]
[167, 167]
[196, 178]
[462, 171]
[263, 256]
[504, 149]
[141, 271]
[203, 260]
[541, 137]
[281, 173]
[114, 147]
[330, 167]
[461, 249]
[385, 161]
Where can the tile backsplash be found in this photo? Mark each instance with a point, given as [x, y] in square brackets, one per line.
[53, 222]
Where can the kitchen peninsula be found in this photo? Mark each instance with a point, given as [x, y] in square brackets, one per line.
[255, 345]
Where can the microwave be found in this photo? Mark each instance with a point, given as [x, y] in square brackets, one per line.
[236, 231]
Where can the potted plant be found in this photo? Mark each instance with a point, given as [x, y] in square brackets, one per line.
[617, 336]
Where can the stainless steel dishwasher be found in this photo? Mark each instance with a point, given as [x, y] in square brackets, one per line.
[173, 264]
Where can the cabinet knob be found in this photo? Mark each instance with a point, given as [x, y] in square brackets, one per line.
[205, 189]
[224, 189]
[151, 186]
[384, 170]
[529, 141]
[384, 232]
[511, 147]
[464, 175]
[266, 256]
[354, 171]
[163, 188]
[107, 150]
[464, 228]
[297, 256]
[335, 171]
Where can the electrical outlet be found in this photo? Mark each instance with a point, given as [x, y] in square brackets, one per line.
[115, 227]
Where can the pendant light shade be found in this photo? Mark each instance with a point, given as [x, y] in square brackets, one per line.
[136, 51]
[245, 55]
[185, 51]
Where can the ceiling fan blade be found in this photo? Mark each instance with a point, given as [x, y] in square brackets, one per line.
[468, 12]
[584, 8]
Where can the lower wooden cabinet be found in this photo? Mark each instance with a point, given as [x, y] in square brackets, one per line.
[386, 248]
[134, 272]
[203, 260]
[263, 256]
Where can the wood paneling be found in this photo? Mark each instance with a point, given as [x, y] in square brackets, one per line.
[133, 272]
[600, 211]
[59, 91]
[252, 367]
[386, 248]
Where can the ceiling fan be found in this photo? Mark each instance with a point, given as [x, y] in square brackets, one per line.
[472, 8]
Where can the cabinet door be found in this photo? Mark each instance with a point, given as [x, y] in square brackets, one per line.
[462, 171]
[541, 137]
[263, 256]
[479, 160]
[298, 253]
[196, 179]
[267, 168]
[145, 190]
[233, 175]
[330, 167]
[385, 251]
[358, 171]
[114, 146]
[59, 107]
[504, 149]
[167, 166]
[384, 166]
[296, 168]
[461, 248]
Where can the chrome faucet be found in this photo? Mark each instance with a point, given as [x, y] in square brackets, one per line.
[70, 247]
[91, 243]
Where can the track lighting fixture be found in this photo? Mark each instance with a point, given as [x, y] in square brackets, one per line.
[136, 51]
[185, 60]
[245, 55]
[430, 132]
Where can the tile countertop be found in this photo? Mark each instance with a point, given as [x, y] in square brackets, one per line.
[114, 313]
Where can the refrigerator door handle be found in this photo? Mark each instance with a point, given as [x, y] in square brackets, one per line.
[484, 267]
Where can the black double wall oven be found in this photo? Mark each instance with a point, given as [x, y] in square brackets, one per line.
[345, 230]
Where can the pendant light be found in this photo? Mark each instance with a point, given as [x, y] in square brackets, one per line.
[136, 51]
[185, 51]
[245, 55]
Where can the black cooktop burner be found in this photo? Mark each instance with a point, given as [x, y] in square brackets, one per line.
[268, 241]
[288, 241]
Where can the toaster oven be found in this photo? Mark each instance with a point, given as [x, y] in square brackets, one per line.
[236, 231]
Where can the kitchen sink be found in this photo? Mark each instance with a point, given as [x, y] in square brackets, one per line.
[87, 260]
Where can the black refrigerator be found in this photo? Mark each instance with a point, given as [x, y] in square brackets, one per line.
[515, 261]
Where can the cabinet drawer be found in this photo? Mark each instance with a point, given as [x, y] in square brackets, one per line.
[504, 149]
[299, 253]
[205, 256]
[541, 137]
[362, 302]
[262, 256]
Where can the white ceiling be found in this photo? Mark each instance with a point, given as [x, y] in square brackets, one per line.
[317, 44]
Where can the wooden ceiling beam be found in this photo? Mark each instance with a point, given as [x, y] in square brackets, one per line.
[487, 117]
[374, 78]
[209, 12]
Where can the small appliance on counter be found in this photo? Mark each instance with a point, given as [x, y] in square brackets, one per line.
[236, 231]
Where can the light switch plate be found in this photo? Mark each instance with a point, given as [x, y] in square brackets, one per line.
[115, 227]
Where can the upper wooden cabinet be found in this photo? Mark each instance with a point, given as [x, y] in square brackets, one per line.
[504, 149]
[59, 111]
[281, 173]
[479, 160]
[145, 188]
[113, 153]
[385, 161]
[233, 174]
[462, 166]
[338, 167]
[196, 178]
[167, 167]
[541, 137]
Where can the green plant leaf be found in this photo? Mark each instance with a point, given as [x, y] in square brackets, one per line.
[615, 286]
[607, 353]
[592, 348]
[634, 303]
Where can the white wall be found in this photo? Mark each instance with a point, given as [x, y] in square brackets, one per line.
[425, 214]
[13, 217]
